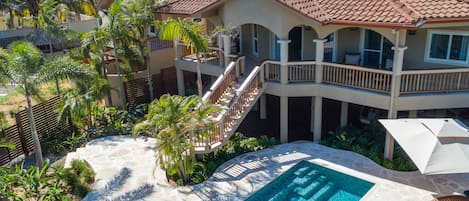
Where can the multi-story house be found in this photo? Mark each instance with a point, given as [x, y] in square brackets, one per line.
[389, 56]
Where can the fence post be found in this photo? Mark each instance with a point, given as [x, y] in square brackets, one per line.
[19, 126]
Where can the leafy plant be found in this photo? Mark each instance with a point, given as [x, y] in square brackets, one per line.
[175, 121]
[369, 142]
[18, 183]
[78, 178]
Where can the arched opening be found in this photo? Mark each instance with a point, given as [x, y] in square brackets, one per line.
[258, 43]
[361, 47]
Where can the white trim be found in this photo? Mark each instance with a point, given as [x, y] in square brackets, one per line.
[447, 61]
[255, 40]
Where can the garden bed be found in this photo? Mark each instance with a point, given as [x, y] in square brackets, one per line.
[369, 142]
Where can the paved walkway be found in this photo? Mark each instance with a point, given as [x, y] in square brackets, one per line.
[126, 171]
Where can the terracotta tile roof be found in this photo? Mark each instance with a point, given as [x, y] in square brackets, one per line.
[185, 7]
[399, 13]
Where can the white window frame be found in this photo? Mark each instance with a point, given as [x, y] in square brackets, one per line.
[449, 61]
[255, 40]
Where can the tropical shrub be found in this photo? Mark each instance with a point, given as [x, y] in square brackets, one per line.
[78, 179]
[33, 183]
[369, 142]
[175, 121]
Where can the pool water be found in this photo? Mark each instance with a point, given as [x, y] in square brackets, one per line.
[307, 182]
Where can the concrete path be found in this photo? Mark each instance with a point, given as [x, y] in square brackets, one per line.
[126, 171]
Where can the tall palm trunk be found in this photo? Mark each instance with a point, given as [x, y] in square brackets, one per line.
[103, 71]
[12, 20]
[199, 77]
[121, 82]
[57, 86]
[35, 138]
[147, 65]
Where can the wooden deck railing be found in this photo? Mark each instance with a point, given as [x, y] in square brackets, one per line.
[434, 81]
[272, 70]
[301, 71]
[223, 82]
[158, 44]
[232, 116]
[357, 77]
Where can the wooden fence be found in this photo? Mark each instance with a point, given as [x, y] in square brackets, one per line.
[137, 92]
[46, 119]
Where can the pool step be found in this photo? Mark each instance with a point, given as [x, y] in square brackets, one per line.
[325, 192]
[314, 187]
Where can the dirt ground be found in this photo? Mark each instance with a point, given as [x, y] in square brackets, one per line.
[15, 100]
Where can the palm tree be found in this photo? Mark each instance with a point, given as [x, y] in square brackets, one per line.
[188, 32]
[175, 121]
[24, 65]
[140, 16]
[113, 33]
[48, 21]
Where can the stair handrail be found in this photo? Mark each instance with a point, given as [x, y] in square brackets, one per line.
[218, 82]
[222, 78]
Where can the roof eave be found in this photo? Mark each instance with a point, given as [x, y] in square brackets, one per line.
[410, 26]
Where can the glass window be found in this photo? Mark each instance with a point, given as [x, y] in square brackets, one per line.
[329, 48]
[447, 47]
[377, 50]
[372, 40]
[459, 46]
[439, 46]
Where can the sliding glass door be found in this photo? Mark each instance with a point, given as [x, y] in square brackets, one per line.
[377, 50]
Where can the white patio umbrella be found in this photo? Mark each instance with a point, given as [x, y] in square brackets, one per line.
[437, 146]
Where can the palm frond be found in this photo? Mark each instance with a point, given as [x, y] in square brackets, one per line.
[60, 68]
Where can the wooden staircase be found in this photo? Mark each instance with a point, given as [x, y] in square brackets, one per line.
[235, 95]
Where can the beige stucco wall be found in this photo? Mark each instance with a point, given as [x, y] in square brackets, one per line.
[267, 13]
[309, 47]
[161, 59]
[348, 41]
[263, 42]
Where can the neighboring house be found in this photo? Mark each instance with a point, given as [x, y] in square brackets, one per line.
[391, 55]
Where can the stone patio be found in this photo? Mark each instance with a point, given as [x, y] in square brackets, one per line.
[125, 170]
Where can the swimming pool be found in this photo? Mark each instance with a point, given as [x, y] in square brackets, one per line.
[307, 182]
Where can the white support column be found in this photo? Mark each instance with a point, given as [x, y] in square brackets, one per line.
[227, 49]
[177, 51]
[284, 61]
[319, 59]
[262, 107]
[284, 119]
[395, 91]
[412, 113]
[317, 118]
[389, 141]
[311, 128]
[343, 114]
[180, 82]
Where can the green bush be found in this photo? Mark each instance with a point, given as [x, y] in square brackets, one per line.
[19, 183]
[369, 142]
[79, 178]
